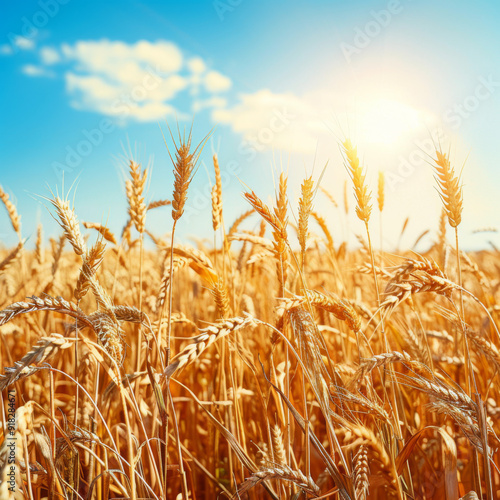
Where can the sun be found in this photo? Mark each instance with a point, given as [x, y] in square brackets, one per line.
[385, 121]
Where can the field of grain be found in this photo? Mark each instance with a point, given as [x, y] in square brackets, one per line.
[277, 363]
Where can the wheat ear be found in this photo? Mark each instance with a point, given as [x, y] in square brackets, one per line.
[358, 177]
[450, 188]
[236, 224]
[12, 257]
[135, 191]
[14, 217]
[92, 259]
[102, 230]
[340, 308]
[57, 304]
[40, 353]
[69, 223]
[184, 162]
[283, 473]
[305, 209]
[217, 196]
[361, 473]
[207, 337]
[381, 191]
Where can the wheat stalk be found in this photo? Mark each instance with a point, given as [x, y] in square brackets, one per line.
[252, 238]
[217, 196]
[92, 259]
[278, 446]
[381, 191]
[206, 338]
[305, 209]
[236, 224]
[399, 291]
[57, 304]
[178, 263]
[450, 188]
[69, 223]
[135, 189]
[184, 162]
[102, 230]
[109, 335]
[39, 243]
[41, 352]
[341, 309]
[12, 257]
[363, 208]
[361, 472]
[369, 364]
[329, 196]
[281, 472]
[14, 217]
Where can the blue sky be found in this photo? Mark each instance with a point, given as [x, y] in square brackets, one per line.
[87, 82]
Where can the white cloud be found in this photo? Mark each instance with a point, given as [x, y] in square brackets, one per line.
[32, 70]
[141, 80]
[49, 55]
[6, 50]
[91, 88]
[216, 82]
[168, 88]
[125, 80]
[143, 102]
[196, 65]
[289, 122]
[24, 43]
[16, 43]
[124, 62]
[274, 121]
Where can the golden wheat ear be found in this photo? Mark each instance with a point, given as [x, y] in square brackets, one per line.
[14, 217]
[217, 196]
[449, 187]
[381, 191]
[185, 162]
[135, 195]
[358, 177]
[207, 337]
[12, 257]
[305, 209]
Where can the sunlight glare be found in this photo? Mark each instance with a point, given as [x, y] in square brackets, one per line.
[385, 121]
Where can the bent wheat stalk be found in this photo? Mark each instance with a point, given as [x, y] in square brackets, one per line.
[45, 348]
[206, 338]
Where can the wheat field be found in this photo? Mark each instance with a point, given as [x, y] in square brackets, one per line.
[276, 363]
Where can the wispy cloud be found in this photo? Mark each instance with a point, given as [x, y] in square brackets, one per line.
[6, 50]
[24, 43]
[49, 55]
[36, 71]
[17, 43]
